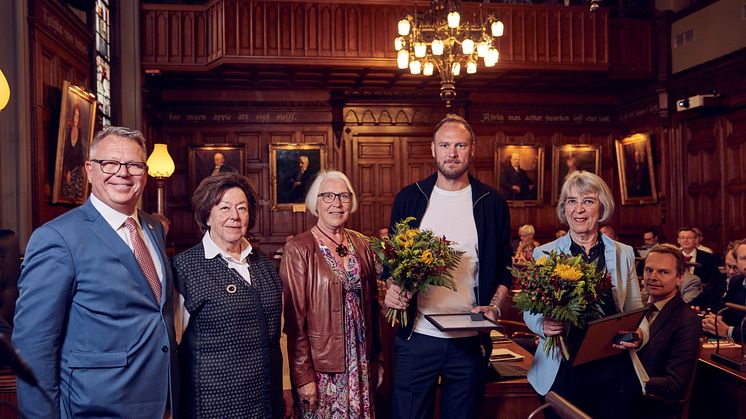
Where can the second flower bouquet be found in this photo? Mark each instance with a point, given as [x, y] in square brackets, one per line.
[563, 287]
[415, 259]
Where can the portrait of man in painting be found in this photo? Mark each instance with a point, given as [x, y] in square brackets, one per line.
[634, 161]
[73, 140]
[569, 158]
[520, 171]
[209, 160]
[293, 167]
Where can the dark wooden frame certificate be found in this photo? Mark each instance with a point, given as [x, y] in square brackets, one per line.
[599, 335]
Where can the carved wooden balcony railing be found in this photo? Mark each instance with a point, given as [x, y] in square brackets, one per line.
[334, 33]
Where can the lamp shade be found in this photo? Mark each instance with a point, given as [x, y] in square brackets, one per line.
[160, 163]
[4, 91]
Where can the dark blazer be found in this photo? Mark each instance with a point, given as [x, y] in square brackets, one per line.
[736, 294]
[89, 325]
[670, 357]
[510, 177]
[707, 268]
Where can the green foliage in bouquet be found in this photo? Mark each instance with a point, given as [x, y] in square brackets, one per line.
[563, 287]
[416, 259]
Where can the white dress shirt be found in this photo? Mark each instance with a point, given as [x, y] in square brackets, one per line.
[116, 220]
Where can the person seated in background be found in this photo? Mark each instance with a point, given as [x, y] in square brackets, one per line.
[650, 238]
[670, 357]
[706, 264]
[729, 324]
[609, 232]
[700, 237]
[715, 291]
[526, 244]
[560, 233]
[383, 232]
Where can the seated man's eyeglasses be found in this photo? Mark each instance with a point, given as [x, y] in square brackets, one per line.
[329, 197]
[111, 167]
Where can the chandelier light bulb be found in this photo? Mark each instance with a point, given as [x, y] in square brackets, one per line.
[456, 68]
[404, 27]
[437, 47]
[428, 69]
[415, 67]
[399, 43]
[467, 46]
[420, 49]
[454, 19]
[471, 67]
[482, 48]
[494, 55]
[402, 59]
[497, 28]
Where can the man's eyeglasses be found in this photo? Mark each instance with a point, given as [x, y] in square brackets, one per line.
[585, 202]
[329, 197]
[111, 167]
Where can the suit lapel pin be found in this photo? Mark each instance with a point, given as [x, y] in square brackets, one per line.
[231, 288]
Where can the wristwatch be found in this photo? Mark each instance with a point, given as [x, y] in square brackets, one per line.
[494, 307]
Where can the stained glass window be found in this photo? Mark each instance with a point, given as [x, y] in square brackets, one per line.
[103, 61]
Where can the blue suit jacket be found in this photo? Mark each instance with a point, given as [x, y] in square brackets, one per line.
[89, 325]
[620, 264]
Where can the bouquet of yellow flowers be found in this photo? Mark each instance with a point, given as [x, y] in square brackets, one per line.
[563, 287]
[416, 259]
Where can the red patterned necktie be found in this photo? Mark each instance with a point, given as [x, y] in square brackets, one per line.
[143, 258]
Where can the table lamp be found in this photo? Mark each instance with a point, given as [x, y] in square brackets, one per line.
[4, 91]
[160, 167]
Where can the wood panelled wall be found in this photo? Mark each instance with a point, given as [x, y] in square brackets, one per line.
[383, 143]
[360, 33]
[382, 148]
[60, 50]
[258, 126]
[710, 145]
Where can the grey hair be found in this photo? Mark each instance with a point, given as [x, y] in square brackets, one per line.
[585, 182]
[122, 132]
[313, 190]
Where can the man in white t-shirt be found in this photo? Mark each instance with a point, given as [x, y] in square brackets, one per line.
[472, 214]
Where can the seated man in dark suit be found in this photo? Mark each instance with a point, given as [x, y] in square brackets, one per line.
[711, 297]
[729, 324]
[670, 356]
[706, 267]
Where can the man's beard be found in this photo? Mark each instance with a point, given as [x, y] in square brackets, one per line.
[454, 173]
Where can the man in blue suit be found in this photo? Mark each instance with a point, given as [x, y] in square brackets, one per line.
[94, 318]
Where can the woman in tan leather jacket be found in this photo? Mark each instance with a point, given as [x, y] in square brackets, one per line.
[331, 310]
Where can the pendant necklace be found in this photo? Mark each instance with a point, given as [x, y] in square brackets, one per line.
[341, 249]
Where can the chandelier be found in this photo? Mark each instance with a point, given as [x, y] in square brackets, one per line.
[438, 39]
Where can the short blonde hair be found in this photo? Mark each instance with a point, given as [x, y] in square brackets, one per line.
[586, 182]
[526, 229]
[313, 190]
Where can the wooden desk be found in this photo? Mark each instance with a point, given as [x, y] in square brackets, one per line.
[719, 391]
[510, 398]
[8, 400]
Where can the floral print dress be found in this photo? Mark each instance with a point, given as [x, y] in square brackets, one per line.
[346, 395]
